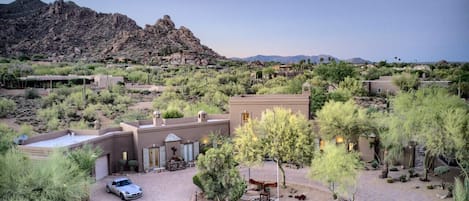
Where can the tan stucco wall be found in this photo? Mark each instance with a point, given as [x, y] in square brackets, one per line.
[366, 152]
[113, 145]
[255, 105]
[187, 132]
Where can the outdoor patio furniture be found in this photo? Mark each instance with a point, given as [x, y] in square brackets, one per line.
[176, 165]
[264, 188]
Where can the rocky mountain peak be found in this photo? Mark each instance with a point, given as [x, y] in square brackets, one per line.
[19, 8]
[165, 23]
[64, 31]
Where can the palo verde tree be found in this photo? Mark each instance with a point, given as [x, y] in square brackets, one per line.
[218, 176]
[344, 119]
[337, 168]
[85, 157]
[56, 178]
[280, 134]
[434, 118]
[6, 138]
[6, 106]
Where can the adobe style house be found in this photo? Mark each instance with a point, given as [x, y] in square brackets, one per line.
[169, 143]
[251, 106]
[160, 143]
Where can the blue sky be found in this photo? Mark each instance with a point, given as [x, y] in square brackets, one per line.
[414, 30]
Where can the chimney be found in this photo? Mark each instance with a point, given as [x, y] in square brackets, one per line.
[306, 89]
[156, 118]
[201, 117]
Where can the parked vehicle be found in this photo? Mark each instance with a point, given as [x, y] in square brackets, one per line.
[124, 188]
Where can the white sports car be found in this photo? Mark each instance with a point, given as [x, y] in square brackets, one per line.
[124, 188]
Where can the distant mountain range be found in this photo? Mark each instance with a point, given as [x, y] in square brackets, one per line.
[298, 58]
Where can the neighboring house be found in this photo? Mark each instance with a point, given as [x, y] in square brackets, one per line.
[52, 81]
[105, 81]
[385, 86]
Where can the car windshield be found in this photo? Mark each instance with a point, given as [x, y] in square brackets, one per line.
[124, 183]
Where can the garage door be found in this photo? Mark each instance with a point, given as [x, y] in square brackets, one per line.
[101, 167]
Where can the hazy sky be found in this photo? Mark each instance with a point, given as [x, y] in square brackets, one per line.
[414, 30]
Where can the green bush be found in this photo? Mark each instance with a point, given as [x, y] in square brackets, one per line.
[122, 164]
[196, 181]
[403, 178]
[461, 190]
[6, 106]
[172, 113]
[133, 164]
[374, 164]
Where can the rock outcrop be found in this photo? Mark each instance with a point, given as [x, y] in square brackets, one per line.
[64, 31]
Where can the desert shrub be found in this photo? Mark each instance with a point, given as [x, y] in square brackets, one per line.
[130, 116]
[82, 124]
[390, 180]
[48, 113]
[172, 113]
[31, 94]
[193, 109]
[403, 178]
[53, 124]
[196, 181]
[106, 97]
[49, 100]
[3, 60]
[26, 129]
[6, 106]
[123, 100]
[90, 112]
[374, 164]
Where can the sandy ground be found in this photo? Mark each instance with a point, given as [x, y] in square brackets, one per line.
[178, 186]
[10, 122]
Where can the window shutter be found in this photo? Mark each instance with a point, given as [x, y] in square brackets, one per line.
[162, 156]
[146, 159]
[196, 149]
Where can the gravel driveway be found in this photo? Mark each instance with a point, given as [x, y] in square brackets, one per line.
[178, 186]
[164, 186]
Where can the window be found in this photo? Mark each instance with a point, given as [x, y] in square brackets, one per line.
[124, 155]
[379, 90]
[321, 144]
[188, 153]
[244, 117]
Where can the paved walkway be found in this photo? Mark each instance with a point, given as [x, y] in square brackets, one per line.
[178, 186]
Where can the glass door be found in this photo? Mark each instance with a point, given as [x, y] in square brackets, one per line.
[154, 157]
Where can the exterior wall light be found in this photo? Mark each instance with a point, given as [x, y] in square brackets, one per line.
[339, 139]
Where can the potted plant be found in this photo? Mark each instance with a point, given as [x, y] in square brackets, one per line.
[133, 164]
[122, 164]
